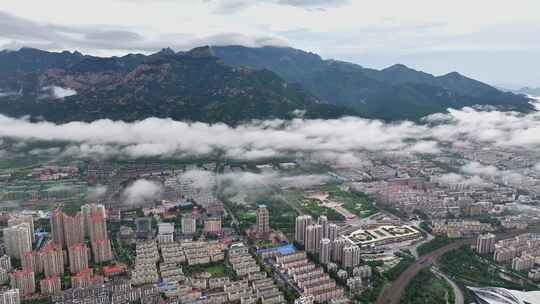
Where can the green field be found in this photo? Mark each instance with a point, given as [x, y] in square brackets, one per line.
[355, 203]
[216, 270]
[427, 288]
[249, 216]
[314, 208]
[282, 216]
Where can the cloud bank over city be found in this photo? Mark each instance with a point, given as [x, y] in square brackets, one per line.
[141, 191]
[337, 141]
[249, 183]
[260, 139]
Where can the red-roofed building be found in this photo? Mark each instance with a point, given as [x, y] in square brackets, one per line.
[86, 278]
[114, 270]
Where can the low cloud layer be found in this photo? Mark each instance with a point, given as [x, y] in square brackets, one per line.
[509, 177]
[141, 191]
[265, 183]
[96, 192]
[338, 141]
[454, 179]
[59, 92]
[505, 129]
[7, 94]
[231, 183]
[264, 139]
[240, 181]
[475, 168]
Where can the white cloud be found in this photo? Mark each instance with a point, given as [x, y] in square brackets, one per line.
[200, 179]
[261, 139]
[141, 191]
[513, 178]
[258, 183]
[96, 151]
[269, 179]
[475, 168]
[508, 177]
[504, 129]
[458, 179]
[339, 141]
[47, 151]
[96, 192]
[19, 32]
[341, 159]
[252, 183]
[251, 154]
[7, 94]
[424, 147]
[299, 113]
[61, 93]
[302, 181]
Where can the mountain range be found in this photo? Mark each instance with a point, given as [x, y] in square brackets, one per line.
[397, 92]
[228, 84]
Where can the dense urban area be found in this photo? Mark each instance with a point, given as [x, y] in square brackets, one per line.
[461, 225]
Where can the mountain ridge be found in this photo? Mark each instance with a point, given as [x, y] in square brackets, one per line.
[229, 84]
[188, 86]
[374, 93]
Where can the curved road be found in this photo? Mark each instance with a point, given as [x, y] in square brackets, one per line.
[392, 292]
[459, 298]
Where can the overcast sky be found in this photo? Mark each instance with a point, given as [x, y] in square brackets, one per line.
[496, 41]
